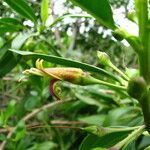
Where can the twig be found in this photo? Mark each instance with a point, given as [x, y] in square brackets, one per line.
[67, 122]
[49, 126]
[32, 114]
[11, 96]
[5, 130]
[58, 123]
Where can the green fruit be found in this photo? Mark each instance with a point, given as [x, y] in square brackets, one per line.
[136, 87]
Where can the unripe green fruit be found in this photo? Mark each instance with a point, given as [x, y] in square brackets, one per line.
[136, 87]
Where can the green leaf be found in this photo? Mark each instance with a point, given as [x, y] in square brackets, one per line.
[3, 137]
[95, 91]
[9, 25]
[2, 118]
[100, 9]
[133, 17]
[87, 99]
[22, 8]
[10, 21]
[66, 62]
[121, 116]
[44, 11]
[19, 40]
[107, 141]
[47, 145]
[2, 42]
[98, 148]
[5, 48]
[93, 119]
[4, 29]
[144, 142]
[7, 63]
[31, 103]
[43, 116]
[21, 130]
[10, 110]
[130, 146]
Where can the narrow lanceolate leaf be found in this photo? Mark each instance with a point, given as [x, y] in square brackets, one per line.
[100, 9]
[44, 11]
[66, 62]
[9, 21]
[22, 7]
[7, 63]
[4, 29]
[9, 25]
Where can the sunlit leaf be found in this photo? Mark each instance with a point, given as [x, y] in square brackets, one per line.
[7, 63]
[23, 8]
[44, 11]
[100, 9]
[19, 40]
[9, 25]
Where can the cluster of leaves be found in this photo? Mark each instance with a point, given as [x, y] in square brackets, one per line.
[108, 115]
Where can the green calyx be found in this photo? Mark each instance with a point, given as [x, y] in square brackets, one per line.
[105, 60]
[89, 80]
[137, 87]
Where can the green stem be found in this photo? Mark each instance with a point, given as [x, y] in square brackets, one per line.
[145, 103]
[141, 7]
[88, 80]
[144, 59]
[120, 72]
[131, 137]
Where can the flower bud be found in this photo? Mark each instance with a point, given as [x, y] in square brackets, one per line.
[104, 58]
[66, 74]
[72, 75]
[136, 87]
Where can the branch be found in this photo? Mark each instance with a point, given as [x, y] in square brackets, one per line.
[32, 114]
